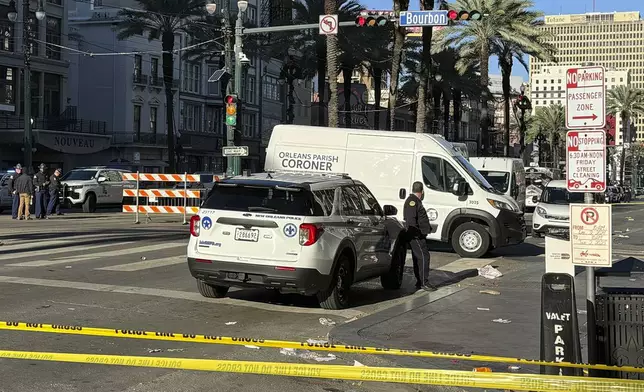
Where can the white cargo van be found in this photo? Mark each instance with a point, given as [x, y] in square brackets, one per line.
[507, 175]
[463, 207]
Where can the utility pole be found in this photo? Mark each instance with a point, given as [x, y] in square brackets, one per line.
[234, 163]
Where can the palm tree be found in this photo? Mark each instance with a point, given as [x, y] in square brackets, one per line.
[162, 19]
[550, 121]
[332, 53]
[626, 102]
[396, 58]
[508, 20]
[424, 90]
[312, 46]
[507, 51]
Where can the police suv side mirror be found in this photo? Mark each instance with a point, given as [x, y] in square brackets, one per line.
[402, 193]
[101, 179]
[390, 210]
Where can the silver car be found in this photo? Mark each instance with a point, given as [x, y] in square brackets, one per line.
[304, 233]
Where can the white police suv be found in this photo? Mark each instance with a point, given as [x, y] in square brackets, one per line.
[313, 234]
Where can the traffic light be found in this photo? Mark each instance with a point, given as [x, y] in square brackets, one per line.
[231, 110]
[374, 18]
[464, 15]
[523, 102]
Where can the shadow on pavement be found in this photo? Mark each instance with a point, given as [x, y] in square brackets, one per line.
[520, 250]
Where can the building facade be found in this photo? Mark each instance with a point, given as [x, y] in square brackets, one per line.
[60, 138]
[498, 107]
[614, 40]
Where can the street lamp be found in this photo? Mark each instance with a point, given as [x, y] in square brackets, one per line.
[211, 7]
[242, 5]
[523, 104]
[27, 42]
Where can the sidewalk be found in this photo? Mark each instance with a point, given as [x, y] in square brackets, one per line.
[450, 320]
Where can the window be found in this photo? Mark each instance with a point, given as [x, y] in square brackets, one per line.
[60, 2]
[214, 119]
[138, 65]
[252, 15]
[371, 206]
[136, 125]
[111, 176]
[153, 119]
[191, 117]
[438, 174]
[6, 29]
[325, 198]
[54, 32]
[250, 90]
[272, 88]
[350, 202]
[261, 199]
[154, 71]
[214, 88]
[499, 180]
[192, 78]
[52, 95]
[249, 125]
[7, 87]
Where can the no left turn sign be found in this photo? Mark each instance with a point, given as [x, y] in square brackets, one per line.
[328, 24]
[589, 216]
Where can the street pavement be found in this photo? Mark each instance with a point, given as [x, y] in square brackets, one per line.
[102, 270]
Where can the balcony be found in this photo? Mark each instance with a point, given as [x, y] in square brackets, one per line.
[156, 81]
[56, 124]
[140, 79]
[128, 138]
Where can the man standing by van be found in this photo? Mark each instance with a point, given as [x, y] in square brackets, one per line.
[417, 224]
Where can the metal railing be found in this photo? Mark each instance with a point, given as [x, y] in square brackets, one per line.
[55, 124]
[138, 78]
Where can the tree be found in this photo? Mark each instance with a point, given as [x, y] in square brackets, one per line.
[162, 19]
[508, 20]
[549, 121]
[626, 102]
[396, 58]
[507, 51]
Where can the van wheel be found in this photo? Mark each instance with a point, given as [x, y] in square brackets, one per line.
[471, 240]
[337, 296]
[90, 203]
[211, 291]
[392, 280]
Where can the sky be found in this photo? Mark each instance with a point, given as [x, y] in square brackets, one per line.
[548, 7]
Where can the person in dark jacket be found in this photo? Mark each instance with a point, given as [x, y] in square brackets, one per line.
[40, 183]
[24, 185]
[417, 224]
[54, 187]
[15, 197]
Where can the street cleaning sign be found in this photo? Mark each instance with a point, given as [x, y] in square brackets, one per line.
[585, 98]
[586, 161]
[591, 242]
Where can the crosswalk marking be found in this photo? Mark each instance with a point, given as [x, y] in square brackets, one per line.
[26, 245]
[67, 249]
[93, 256]
[147, 264]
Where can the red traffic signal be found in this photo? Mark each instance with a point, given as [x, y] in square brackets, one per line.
[230, 99]
[464, 15]
[360, 21]
[374, 18]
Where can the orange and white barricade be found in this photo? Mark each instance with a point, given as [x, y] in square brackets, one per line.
[163, 201]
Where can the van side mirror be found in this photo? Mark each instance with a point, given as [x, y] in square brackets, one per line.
[459, 188]
[402, 193]
[390, 210]
[535, 199]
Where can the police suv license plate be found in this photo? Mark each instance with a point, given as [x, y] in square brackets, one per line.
[251, 235]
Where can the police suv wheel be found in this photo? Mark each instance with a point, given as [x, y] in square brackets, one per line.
[337, 296]
[471, 240]
[211, 291]
[90, 203]
[392, 280]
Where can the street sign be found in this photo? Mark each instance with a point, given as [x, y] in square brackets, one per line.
[586, 161]
[235, 151]
[423, 18]
[328, 24]
[585, 98]
[591, 234]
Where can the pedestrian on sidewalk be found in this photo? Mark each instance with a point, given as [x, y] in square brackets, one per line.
[417, 224]
[54, 187]
[40, 182]
[15, 197]
[24, 185]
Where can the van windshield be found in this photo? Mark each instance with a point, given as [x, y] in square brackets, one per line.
[499, 180]
[252, 198]
[465, 164]
[553, 195]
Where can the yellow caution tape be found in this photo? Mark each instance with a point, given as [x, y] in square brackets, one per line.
[326, 346]
[455, 378]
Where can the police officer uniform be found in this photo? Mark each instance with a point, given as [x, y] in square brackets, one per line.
[54, 187]
[15, 197]
[40, 183]
[417, 224]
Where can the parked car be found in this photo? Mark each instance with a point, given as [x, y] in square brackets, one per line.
[551, 216]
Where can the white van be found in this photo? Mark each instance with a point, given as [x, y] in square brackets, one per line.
[464, 209]
[507, 175]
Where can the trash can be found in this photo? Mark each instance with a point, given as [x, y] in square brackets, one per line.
[619, 317]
